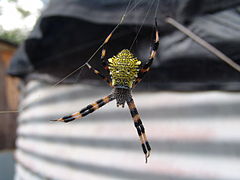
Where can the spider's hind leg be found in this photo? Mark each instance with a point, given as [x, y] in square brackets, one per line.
[140, 128]
[87, 110]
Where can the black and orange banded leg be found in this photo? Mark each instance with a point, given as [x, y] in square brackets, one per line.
[97, 72]
[87, 110]
[140, 128]
[103, 55]
[153, 53]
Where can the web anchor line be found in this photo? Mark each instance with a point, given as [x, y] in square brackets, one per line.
[203, 43]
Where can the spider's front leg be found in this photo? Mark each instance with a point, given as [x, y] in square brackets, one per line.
[153, 53]
[103, 54]
[104, 63]
[140, 128]
[97, 72]
[87, 110]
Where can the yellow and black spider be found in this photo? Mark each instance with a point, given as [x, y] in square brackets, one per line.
[126, 71]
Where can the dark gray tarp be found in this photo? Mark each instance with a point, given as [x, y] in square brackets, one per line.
[69, 31]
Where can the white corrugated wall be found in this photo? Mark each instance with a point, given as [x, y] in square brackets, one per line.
[194, 136]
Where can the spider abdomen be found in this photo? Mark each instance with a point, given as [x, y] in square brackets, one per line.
[122, 95]
[124, 69]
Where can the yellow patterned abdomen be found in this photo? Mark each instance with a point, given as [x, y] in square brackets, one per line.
[124, 69]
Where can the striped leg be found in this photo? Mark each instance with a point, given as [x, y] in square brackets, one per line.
[146, 67]
[140, 128]
[99, 74]
[104, 63]
[87, 110]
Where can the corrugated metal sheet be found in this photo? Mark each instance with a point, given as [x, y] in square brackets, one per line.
[194, 136]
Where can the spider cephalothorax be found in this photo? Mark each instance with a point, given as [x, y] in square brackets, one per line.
[123, 69]
[125, 73]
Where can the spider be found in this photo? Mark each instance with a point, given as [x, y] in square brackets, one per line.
[125, 71]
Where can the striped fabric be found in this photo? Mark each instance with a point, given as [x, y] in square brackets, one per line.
[194, 136]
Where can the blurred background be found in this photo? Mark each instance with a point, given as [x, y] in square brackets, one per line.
[17, 19]
[189, 102]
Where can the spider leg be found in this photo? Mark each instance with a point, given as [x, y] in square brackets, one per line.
[97, 72]
[140, 128]
[103, 55]
[87, 110]
[146, 67]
